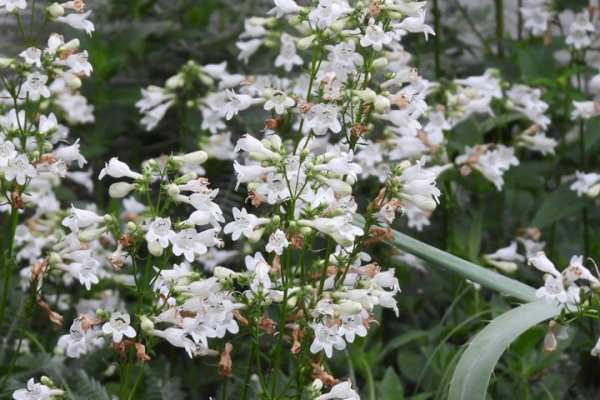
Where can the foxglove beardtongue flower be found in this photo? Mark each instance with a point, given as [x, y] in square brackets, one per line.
[36, 391]
[118, 169]
[118, 327]
[13, 5]
[586, 184]
[277, 242]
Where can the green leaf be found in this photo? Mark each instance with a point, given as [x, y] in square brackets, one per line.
[390, 387]
[472, 374]
[485, 277]
[86, 387]
[562, 203]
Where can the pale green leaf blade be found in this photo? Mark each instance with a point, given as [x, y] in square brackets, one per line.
[472, 374]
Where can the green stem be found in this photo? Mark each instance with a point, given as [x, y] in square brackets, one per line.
[369, 377]
[499, 27]
[7, 259]
[437, 26]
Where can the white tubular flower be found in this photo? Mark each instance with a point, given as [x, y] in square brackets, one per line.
[505, 258]
[323, 117]
[341, 391]
[35, 87]
[70, 154]
[375, 36]
[284, 7]
[277, 242]
[236, 103]
[159, 232]
[250, 173]
[119, 326]
[326, 339]
[576, 271]
[586, 184]
[80, 219]
[255, 148]
[32, 56]
[118, 169]
[7, 153]
[340, 228]
[243, 224]
[279, 102]
[36, 391]
[78, 21]
[19, 169]
[418, 187]
[542, 263]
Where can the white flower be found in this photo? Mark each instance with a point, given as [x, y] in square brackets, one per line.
[418, 187]
[78, 21]
[505, 258]
[7, 153]
[326, 339]
[536, 15]
[159, 232]
[542, 263]
[277, 242]
[585, 109]
[236, 103]
[579, 30]
[586, 183]
[340, 228]
[80, 219]
[119, 326]
[247, 49]
[255, 148]
[12, 5]
[323, 117]
[341, 391]
[284, 7]
[327, 12]
[415, 24]
[288, 58]
[118, 169]
[32, 56]
[70, 154]
[188, 243]
[576, 271]
[19, 169]
[85, 268]
[36, 391]
[375, 36]
[35, 87]
[279, 102]
[243, 224]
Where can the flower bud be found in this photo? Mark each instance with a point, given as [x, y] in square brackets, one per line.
[380, 62]
[366, 95]
[91, 234]
[146, 324]
[73, 82]
[223, 273]
[382, 104]
[118, 190]
[155, 249]
[348, 308]
[174, 82]
[55, 10]
[172, 190]
[305, 42]
[194, 158]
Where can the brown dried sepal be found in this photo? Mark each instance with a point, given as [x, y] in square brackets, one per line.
[267, 325]
[53, 316]
[38, 269]
[225, 363]
[240, 318]
[17, 200]
[358, 130]
[378, 234]
[319, 373]
[274, 123]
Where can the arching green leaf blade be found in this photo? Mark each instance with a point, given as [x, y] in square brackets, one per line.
[472, 374]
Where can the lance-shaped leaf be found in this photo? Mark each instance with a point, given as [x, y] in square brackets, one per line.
[472, 374]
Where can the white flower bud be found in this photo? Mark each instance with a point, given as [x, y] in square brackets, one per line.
[305, 42]
[174, 82]
[593, 191]
[91, 234]
[382, 104]
[71, 45]
[5, 62]
[223, 273]
[380, 62]
[155, 249]
[194, 158]
[55, 10]
[366, 95]
[73, 82]
[187, 177]
[172, 190]
[348, 308]
[119, 190]
[146, 324]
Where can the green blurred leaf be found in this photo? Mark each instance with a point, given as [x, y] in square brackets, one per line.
[390, 387]
[563, 203]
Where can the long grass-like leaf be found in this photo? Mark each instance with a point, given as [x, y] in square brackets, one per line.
[472, 374]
